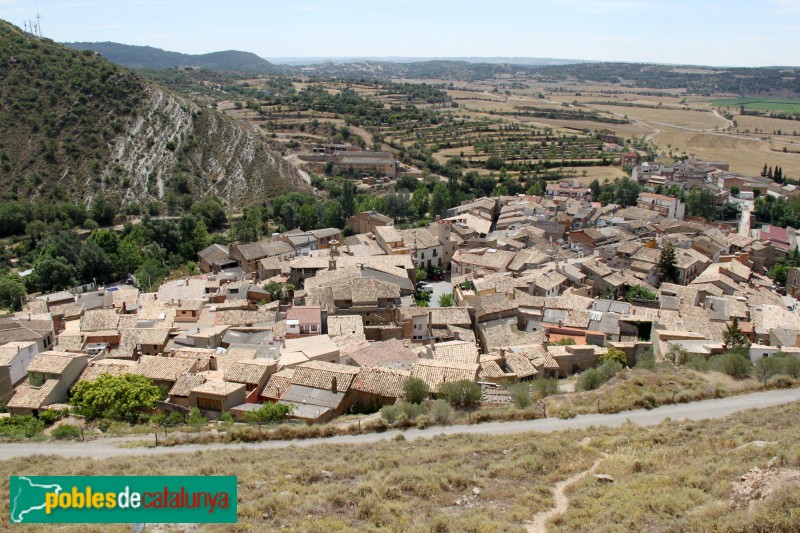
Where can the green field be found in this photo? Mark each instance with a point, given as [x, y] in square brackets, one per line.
[760, 104]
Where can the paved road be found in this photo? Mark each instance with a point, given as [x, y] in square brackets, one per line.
[706, 409]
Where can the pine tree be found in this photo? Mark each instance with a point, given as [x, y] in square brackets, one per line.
[764, 171]
[779, 174]
[769, 172]
[733, 338]
[667, 262]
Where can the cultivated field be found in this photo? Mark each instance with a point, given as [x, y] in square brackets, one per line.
[745, 155]
[760, 104]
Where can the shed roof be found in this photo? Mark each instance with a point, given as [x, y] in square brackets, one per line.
[434, 373]
[320, 374]
[386, 382]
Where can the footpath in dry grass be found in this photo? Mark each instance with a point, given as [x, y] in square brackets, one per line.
[678, 476]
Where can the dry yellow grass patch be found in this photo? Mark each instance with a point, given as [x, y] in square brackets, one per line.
[745, 155]
[687, 119]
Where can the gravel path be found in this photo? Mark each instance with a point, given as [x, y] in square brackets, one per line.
[702, 410]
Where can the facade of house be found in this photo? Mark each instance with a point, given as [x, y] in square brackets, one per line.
[426, 249]
[50, 376]
[390, 240]
[303, 320]
[374, 163]
[214, 258]
[248, 255]
[665, 205]
[367, 221]
[216, 397]
[568, 189]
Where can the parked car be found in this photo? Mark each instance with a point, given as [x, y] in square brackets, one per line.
[424, 287]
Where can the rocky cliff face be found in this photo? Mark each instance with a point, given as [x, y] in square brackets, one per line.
[73, 125]
[172, 145]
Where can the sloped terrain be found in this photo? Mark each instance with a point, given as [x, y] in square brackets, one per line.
[155, 58]
[73, 125]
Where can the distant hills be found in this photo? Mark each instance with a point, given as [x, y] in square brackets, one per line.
[772, 81]
[74, 125]
[147, 57]
[534, 61]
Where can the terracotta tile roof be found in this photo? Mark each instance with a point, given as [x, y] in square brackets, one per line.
[162, 368]
[491, 369]
[520, 365]
[114, 367]
[249, 372]
[419, 239]
[387, 353]
[51, 362]
[152, 336]
[434, 373]
[185, 384]
[306, 314]
[455, 351]
[27, 397]
[380, 381]
[70, 343]
[540, 357]
[345, 325]
[450, 316]
[320, 375]
[241, 317]
[278, 383]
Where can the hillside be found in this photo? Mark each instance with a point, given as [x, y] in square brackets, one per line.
[73, 124]
[147, 57]
[775, 81]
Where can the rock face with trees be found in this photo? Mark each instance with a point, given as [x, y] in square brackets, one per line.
[105, 130]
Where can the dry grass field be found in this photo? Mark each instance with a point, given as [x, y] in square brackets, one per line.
[678, 476]
[744, 155]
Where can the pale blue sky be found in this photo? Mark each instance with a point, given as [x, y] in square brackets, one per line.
[708, 32]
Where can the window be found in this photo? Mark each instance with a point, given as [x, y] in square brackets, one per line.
[313, 327]
[209, 404]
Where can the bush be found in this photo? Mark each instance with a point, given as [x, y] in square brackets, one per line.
[403, 412]
[66, 431]
[412, 410]
[543, 387]
[733, 364]
[678, 355]
[589, 380]
[781, 381]
[647, 360]
[520, 394]
[416, 390]
[613, 354]
[697, 362]
[608, 370]
[49, 416]
[461, 394]
[19, 427]
[196, 419]
[227, 418]
[174, 419]
[269, 413]
[441, 412]
[123, 397]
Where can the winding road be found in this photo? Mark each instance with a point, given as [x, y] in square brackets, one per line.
[702, 410]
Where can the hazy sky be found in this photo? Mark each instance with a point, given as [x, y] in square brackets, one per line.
[708, 32]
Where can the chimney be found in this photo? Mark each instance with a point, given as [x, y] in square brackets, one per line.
[333, 384]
